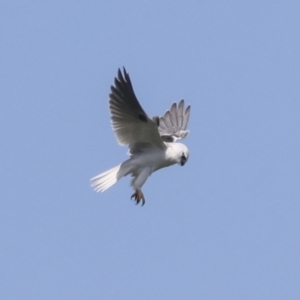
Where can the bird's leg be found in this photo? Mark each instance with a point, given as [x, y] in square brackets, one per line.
[138, 196]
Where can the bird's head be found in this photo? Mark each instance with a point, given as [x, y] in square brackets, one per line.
[181, 153]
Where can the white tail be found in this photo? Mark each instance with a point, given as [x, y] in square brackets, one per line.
[106, 179]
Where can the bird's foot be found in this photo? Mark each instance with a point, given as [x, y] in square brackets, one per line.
[138, 197]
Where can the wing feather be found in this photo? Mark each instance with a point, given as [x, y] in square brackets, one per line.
[129, 121]
[186, 117]
[172, 126]
[173, 114]
[180, 113]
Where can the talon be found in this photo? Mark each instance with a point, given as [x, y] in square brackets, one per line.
[138, 197]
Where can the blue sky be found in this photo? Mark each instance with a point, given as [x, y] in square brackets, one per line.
[224, 226]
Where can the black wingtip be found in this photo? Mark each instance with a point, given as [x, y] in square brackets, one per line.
[123, 79]
[126, 76]
[120, 75]
[123, 74]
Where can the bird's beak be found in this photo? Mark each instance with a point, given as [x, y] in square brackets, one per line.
[183, 160]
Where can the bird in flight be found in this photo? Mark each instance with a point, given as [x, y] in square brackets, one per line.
[151, 141]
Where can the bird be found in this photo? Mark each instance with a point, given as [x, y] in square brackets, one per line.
[152, 142]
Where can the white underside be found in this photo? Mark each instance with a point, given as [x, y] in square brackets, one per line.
[140, 166]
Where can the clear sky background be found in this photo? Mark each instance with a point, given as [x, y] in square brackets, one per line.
[224, 226]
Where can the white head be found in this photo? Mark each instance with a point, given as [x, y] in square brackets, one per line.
[181, 153]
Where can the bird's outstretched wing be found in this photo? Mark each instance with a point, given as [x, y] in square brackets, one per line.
[129, 121]
[172, 126]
